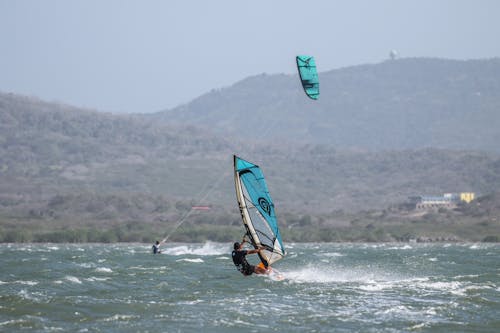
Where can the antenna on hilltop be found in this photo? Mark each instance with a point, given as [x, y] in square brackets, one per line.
[393, 54]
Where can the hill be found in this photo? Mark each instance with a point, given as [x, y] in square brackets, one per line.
[50, 149]
[68, 174]
[394, 105]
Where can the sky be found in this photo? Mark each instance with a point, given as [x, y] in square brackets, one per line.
[144, 56]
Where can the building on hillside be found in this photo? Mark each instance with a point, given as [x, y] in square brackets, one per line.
[467, 196]
[447, 200]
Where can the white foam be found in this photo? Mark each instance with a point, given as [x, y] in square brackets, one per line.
[191, 302]
[27, 283]
[374, 287]
[404, 247]
[94, 279]
[73, 279]
[104, 270]
[118, 317]
[417, 326]
[30, 295]
[208, 249]
[368, 279]
[12, 322]
[158, 268]
[332, 254]
[452, 287]
[326, 275]
[198, 260]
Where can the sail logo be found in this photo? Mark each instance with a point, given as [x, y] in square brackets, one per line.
[264, 204]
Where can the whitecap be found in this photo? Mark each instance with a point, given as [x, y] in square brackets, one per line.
[417, 326]
[191, 302]
[453, 287]
[332, 254]
[87, 265]
[312, 274]
[12, 322]
[325, 274]
[28, 283]
[374, 287]
[93, 279]
[399, 309]
[404, 247]
[73, 279]
[197, 260]
[29, 295]
[208, 249]
[119, 317]
[469, 276]
[104, 270]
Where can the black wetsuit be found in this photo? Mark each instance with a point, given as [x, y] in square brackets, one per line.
[241, 262]
[156, 249]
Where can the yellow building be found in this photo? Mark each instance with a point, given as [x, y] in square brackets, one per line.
[467, 196]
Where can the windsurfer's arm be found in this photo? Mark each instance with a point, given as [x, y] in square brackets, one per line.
[256, 250]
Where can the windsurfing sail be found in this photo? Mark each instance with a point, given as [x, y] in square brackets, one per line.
[308, 75]
[257, 210]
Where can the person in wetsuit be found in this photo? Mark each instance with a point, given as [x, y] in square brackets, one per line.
[241, 263]
[156, 247]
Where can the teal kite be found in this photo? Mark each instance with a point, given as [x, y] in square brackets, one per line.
[308, 75]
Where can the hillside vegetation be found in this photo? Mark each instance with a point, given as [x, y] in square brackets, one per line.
[398, 104]
[68, 174]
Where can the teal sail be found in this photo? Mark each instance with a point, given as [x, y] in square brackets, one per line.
[257, 210]
[308, 75]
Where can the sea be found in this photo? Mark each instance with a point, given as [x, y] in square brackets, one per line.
[330, 287]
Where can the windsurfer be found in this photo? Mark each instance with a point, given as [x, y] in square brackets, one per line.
[156, 247]
[241, 263]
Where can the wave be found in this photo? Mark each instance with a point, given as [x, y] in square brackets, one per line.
[73, 279]
[198, 260]
[207, 249]
[323, 274]
[104, 270]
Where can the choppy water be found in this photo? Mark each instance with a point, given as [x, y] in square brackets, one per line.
[194, 287]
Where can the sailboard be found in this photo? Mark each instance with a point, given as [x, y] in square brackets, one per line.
[257, 211]
[308, 75]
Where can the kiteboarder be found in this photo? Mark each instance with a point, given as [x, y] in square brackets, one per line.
[156, 248]
[241, 262]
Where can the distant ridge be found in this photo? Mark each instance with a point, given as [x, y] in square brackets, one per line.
[397, 104]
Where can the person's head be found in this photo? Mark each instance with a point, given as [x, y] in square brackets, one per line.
[157, 242]
[236, 246]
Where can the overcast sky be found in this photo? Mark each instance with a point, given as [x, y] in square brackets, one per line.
[145, 56]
